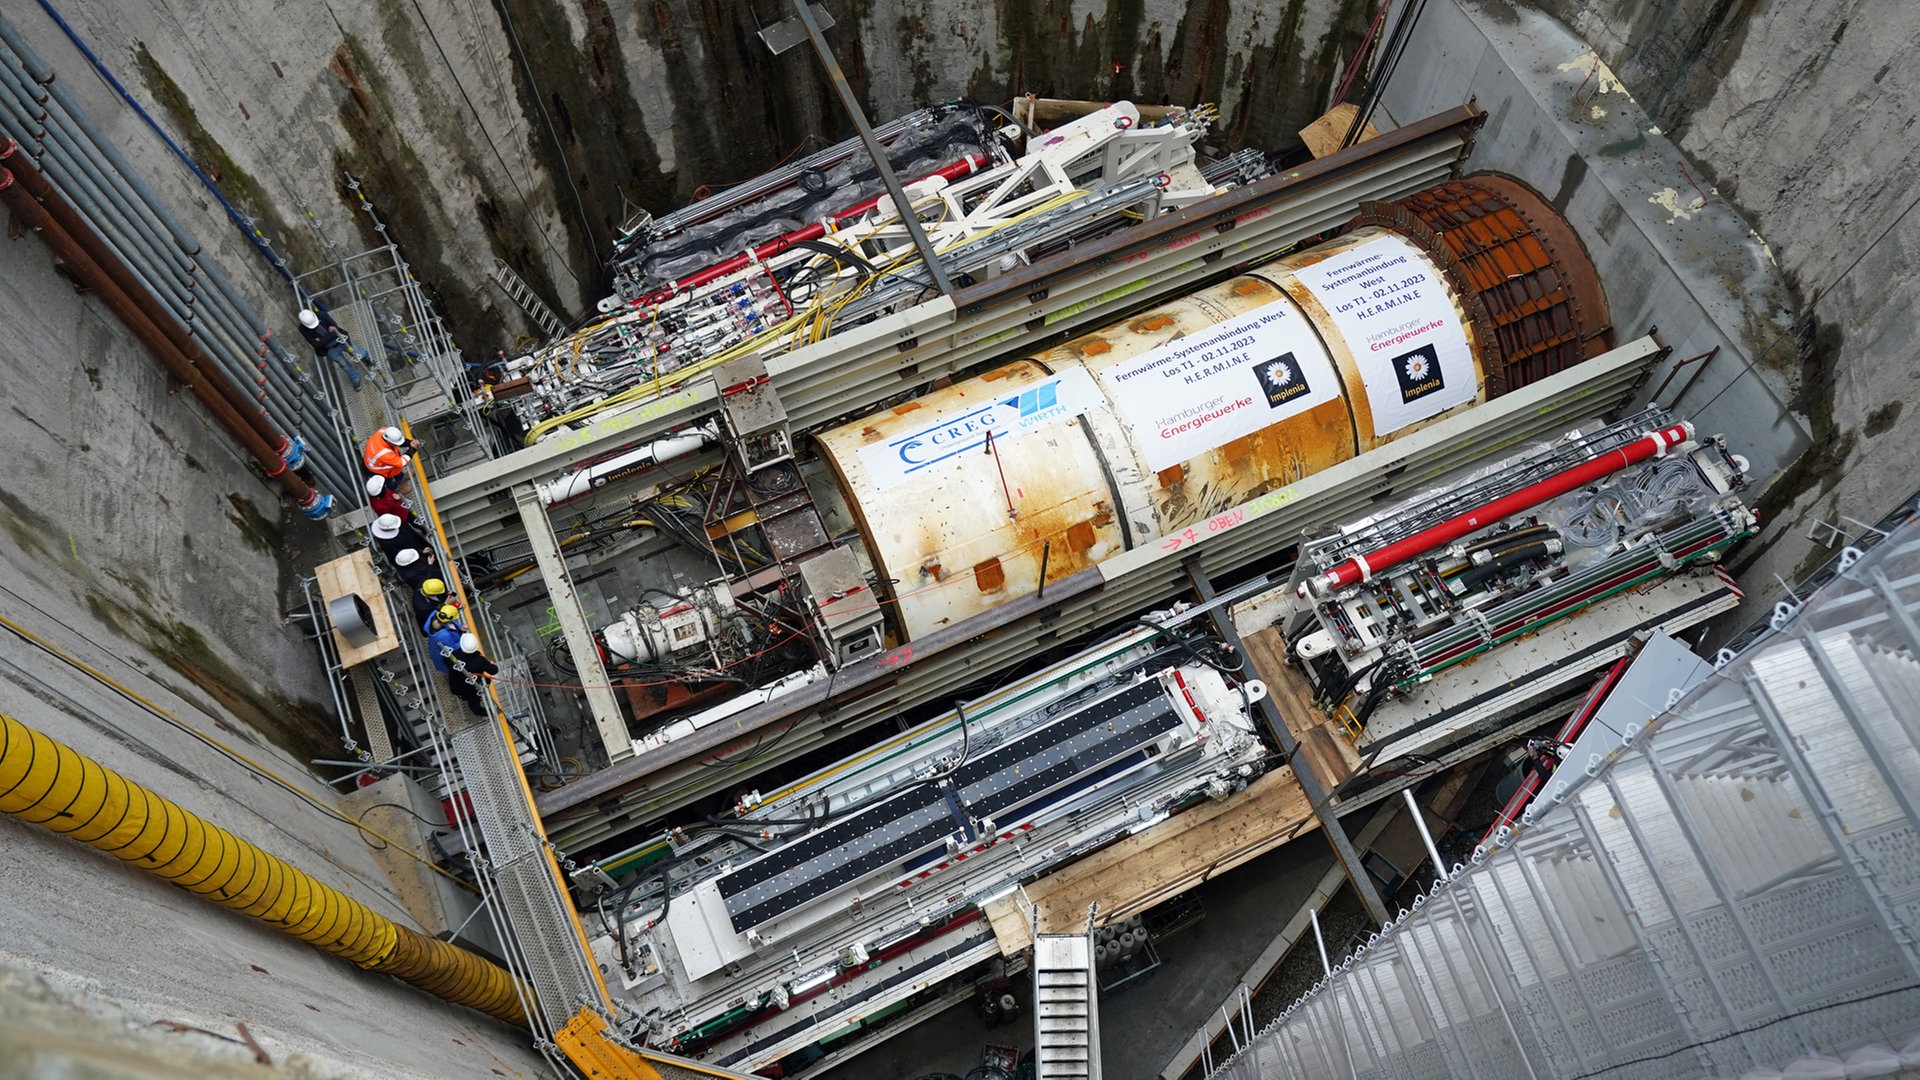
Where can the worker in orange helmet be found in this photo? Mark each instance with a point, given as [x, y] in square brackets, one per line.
[386, 454]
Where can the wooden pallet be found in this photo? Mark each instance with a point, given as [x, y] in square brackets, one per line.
[354, 574]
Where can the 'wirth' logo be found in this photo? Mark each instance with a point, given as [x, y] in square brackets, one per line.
[1281, 379]
[1418, 373]
[1037, 400]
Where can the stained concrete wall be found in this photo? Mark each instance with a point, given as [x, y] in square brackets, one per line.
[1760, 157]
[531, 130]
[137, 542]
[1796, 123]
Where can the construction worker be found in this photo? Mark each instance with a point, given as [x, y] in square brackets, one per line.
[384, 499]
[330, 342]
[430, 597]
[392, 536]
[386, 454]
[413, 566]
[444, 618]
[471, 670]
[1543, 757]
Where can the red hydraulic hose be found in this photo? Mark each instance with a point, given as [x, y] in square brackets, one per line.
[779, 244]
[1363, 567]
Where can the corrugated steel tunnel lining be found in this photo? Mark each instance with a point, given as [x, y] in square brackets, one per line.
[1524, 275]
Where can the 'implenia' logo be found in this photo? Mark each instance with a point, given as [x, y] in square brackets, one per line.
[1280, 379]
[1418, 373]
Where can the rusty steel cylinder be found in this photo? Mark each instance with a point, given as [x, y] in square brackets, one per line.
[1148, 427]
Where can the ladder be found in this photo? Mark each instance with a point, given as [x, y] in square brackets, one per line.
[1066, 1017]
[523, 295]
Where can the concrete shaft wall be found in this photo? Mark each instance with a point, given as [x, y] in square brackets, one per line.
[1801, 118]
[530, 130]
[1743, 173]
[135, 539]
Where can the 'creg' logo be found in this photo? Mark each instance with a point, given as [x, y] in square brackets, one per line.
[958, 434]
[1280, 379]
[1418, 373]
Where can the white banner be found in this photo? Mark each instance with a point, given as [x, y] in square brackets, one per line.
[1208, 388]
[911, 453]
[1389, 303]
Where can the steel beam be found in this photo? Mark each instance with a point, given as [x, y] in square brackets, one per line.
[804, 12]
[601, 704]
[1282, 737]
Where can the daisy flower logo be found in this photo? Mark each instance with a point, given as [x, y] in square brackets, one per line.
[1279, 374]
[1417, 367]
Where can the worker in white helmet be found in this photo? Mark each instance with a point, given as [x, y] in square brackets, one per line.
[387, 455]
[469, 671]
[385, 498]
[331, 342]
[413, 566]
[393, 536]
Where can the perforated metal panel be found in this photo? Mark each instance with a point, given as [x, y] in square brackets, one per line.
[523, 879]
[1737, 891]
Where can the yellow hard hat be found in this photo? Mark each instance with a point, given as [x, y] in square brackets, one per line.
[433, 586]
[448, 613]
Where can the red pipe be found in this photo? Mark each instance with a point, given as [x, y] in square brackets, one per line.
[779, 244]
[70, 254]
[1363, 567]
[1568, 732]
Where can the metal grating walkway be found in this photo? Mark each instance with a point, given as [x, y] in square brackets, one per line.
[542, 921]
[1735, 893]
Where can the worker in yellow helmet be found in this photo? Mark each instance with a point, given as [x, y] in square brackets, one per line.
[428, 598]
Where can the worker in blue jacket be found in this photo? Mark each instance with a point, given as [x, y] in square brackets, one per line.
[443, 629]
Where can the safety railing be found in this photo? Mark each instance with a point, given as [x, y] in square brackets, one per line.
[1737, 890]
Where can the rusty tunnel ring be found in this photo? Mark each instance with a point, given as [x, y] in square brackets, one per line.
[1529, 287]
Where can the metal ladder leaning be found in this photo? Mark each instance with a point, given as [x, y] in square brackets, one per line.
[1066, 1014]
[522, 294]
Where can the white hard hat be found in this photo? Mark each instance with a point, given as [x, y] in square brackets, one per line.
[309, 320]
[469, 643]
[393, 435]
[376, 484]
[386, 526]
[406, 558]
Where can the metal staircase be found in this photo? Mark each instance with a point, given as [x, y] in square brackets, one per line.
[1737, 892]
[1066, 1014]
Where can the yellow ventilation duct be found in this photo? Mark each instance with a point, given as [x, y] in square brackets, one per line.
[54, 786]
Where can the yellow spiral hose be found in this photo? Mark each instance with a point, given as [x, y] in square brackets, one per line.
[49, 784]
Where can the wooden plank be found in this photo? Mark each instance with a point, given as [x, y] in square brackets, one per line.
[1140, 871]
[1322, 746]
[1010, 926]
[1323, 135]
[354, 574]
[1266, 651]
